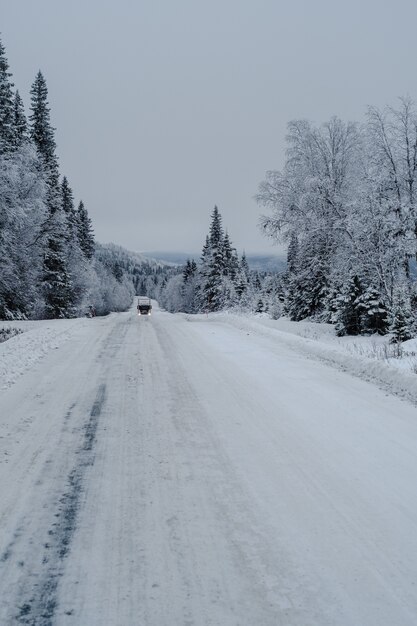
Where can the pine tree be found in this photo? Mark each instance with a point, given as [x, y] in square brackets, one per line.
[67, 199]
[374, 312]
[231, 262]
[189, 287]
[57, 286]
[20, 122]
[308, 284]
[402, 325]
[244, 266]
[41, 131]
[189, 271]
[213, 266]
[347, 305]
[260, 307]
[206, 252]
[85, 232]
[216, 230]
[7, 126]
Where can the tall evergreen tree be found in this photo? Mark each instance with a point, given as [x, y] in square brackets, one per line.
[56, 281]
[212, 268]
[85, 232]
[20, 122]
[230, 260]
[374, 311]
[7, 126]
[67, 198]
[41, 131]
[216, 229]
[402, 325]
[347, 310]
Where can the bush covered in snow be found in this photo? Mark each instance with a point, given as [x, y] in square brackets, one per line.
[7, 333]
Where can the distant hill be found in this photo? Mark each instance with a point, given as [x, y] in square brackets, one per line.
[176, 258]
[258, 262]
[267, 262]
[129, 258]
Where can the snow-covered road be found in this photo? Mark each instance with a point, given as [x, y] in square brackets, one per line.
[178, 471]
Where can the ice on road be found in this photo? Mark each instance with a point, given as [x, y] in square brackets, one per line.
[172, 471]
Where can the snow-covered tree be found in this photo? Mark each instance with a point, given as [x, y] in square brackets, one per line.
[403, 325]
[345, 202]
[58, 288]
[374, 311]
[85, 231]
[348, 313]
[41, 131]
[7, 120]
[212, 266]
[67, 205]
[22, 216]
[20, 122]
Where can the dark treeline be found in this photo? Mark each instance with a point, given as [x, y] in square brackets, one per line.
[219, 280]
[345, 203]
[50, 264]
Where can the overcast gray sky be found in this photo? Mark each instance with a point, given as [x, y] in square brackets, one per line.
[164, 108]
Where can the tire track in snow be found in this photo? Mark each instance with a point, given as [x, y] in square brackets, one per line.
[39, 606]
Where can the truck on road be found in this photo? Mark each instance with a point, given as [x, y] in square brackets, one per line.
[144, 306]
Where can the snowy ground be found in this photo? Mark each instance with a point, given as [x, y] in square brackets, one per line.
[219, 470]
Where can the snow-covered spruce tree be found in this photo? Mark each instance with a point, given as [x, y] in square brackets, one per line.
[77, 263]
[308, 286]
[403, 326]
[57, 286]
[348, 313]
[85, 231]
[189, 287]
[244, 266]
[41, 131]
[7, 121]
[212, 266]
[20, 121]
[219, 268]
[67, 204]
[374, 311]
[230, 259]
[241, 283]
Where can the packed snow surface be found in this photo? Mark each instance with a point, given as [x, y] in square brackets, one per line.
[194, 470]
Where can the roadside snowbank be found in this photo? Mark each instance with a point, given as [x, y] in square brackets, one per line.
[318, 341]
[21, 352]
